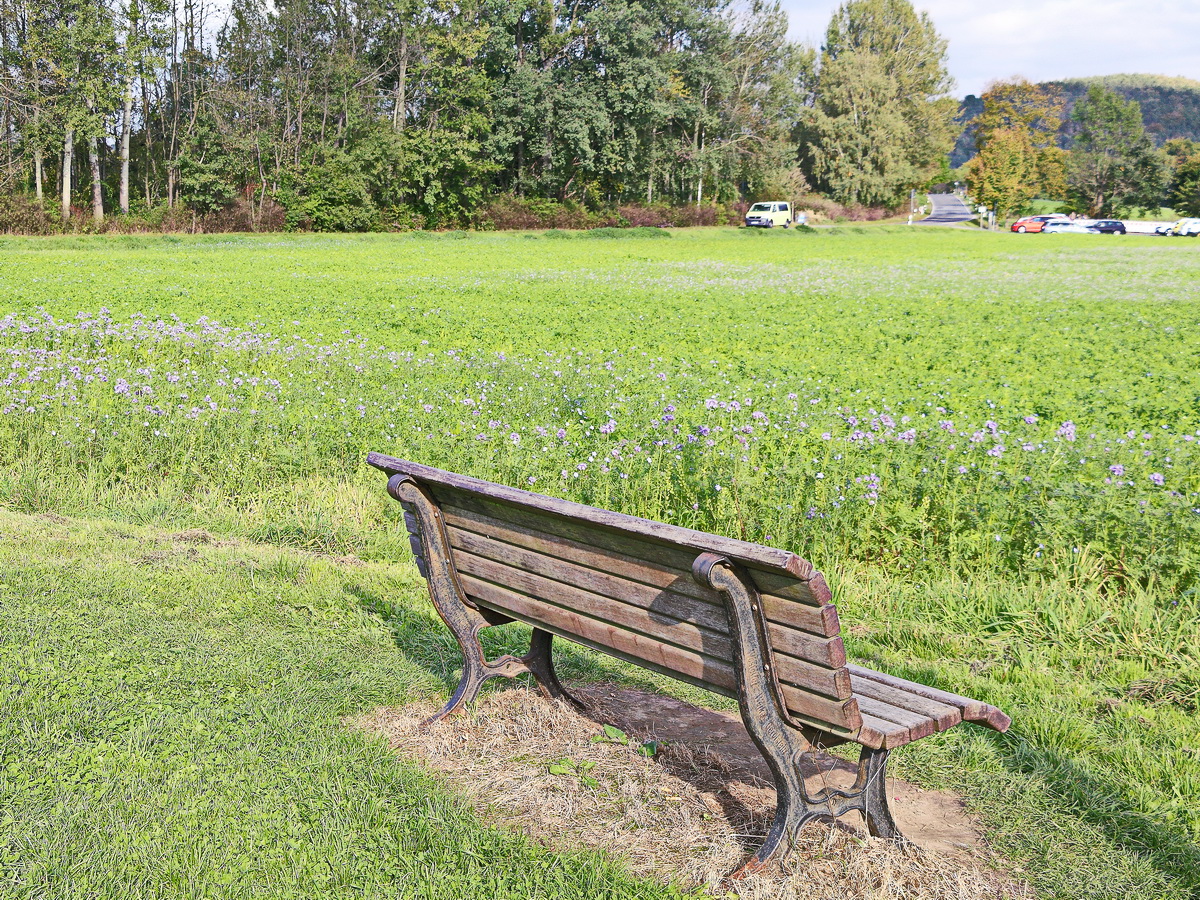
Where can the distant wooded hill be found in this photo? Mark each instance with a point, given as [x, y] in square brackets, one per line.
[1170, 108]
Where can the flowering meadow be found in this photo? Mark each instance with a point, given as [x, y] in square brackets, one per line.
[989, 443]
[979, 435]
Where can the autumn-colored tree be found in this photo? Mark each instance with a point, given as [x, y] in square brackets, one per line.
[1004, 175]
[1018, 118]
[1019, 105]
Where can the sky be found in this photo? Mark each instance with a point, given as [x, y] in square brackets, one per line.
[1045, 40]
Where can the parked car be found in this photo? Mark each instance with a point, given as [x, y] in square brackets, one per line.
[1034, 224]
[1066, 226]
[1186, 228]
[1108, 226]
[768, 214]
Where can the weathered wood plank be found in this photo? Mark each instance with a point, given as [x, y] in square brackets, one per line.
[943, 715]
[812, 590]
[661, 621]
[828, 652]
[880, 734]
[918, 726]
[972, 710]
[766, 558]
[584, 552]
[683, 606]
[630, 558]
[699, 668]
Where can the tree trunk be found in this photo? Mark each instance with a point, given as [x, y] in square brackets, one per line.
[400, 108]
[127, 117]
[68, 161]
[97, 187]
[126, 131]
[38, 166]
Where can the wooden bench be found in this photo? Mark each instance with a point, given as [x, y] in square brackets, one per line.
[735, 618]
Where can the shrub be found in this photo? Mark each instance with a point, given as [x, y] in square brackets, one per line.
[242, 215]
[507, 212]
[22, 214]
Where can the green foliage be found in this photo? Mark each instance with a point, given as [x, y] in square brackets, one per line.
[333, 196]
[581, 769]
[881, 122]
[1113, 163]
[413, 114]
[1184, 194]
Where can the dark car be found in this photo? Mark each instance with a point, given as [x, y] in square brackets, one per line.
[1108, 226]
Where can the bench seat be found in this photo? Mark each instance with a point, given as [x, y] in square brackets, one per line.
[901, 711]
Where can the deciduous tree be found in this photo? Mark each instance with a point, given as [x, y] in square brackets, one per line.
[881, 103]
[1113, 162]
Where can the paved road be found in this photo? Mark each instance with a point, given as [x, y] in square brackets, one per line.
[948, 209]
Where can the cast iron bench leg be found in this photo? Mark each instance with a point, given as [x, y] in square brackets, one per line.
[781, 740]
[464, 620]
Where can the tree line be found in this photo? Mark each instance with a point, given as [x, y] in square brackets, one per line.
[361, 114]
[1112, 166]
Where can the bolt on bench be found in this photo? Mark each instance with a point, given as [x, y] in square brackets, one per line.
[735, 618]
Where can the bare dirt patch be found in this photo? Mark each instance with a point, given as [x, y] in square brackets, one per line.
[693, 811]
[193, 536]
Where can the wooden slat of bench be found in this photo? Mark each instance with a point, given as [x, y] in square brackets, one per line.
[634, 546]
[818, 620]
[765, 558]
[918, 726]
[822, 651]
[673, 564]
[673, 561]
[650, 652]
[812, 590]
[972, 710]
[880, 734]
[665, 621]
[942, 715]
[628, 567]
[664, 600]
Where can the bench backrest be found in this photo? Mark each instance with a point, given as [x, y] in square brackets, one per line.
[624, 585]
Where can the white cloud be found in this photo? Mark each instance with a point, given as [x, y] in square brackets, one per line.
[1046, 39]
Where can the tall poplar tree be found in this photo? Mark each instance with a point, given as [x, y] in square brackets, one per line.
[883, 73]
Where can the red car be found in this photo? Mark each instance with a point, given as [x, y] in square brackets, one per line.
[1034, 224]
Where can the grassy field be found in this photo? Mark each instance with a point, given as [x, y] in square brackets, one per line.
[987, 443]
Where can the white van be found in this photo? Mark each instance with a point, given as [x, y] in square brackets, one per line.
[768, 214]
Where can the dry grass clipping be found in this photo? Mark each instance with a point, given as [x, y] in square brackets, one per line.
[681, 816]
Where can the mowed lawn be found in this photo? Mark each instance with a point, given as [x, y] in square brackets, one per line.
[986, 441]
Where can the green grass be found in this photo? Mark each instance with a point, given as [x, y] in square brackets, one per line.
[988, 444]
[171, 728]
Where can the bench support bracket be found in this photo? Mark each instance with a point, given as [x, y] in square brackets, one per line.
[782, 741]
[463, 618]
